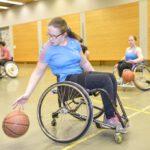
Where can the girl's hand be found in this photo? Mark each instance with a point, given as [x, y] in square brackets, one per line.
[131, 61]
[20, 102]
[116, 65]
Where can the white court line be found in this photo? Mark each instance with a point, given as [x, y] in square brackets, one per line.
[142, 110]
[137, 110]
[95, 134]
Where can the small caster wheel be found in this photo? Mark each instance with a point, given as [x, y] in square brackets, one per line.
[118, 138]
[53, 123]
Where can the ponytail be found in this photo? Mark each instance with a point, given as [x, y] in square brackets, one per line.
[71, 34]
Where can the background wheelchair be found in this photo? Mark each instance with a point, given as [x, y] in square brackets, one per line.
[141, 80]
[65, 112]
[10, 69]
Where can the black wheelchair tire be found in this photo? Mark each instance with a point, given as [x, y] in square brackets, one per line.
[136, 83]
[89, 118]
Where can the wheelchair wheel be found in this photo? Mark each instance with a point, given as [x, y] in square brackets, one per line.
[2, 71]
[142, 77]
[11, 69]
[59, 117]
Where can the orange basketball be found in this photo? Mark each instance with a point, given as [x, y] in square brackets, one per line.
[16, 124]
[127, 75]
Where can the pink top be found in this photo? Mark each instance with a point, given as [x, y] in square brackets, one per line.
[4, 51]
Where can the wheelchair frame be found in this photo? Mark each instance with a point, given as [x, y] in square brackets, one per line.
[76, 92]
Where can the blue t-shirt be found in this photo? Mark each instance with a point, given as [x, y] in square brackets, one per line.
[63, 60]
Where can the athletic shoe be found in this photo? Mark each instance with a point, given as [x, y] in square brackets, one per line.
[114, 121]
[120, 81]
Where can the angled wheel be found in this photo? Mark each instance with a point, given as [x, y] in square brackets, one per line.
[2, 71]
[59, 117]
[11, 69]
[116, 74]
[142, 77]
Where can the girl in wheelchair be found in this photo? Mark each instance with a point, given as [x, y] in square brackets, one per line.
[133, 56]
[63, 55]
[4, 55]
[7, 66]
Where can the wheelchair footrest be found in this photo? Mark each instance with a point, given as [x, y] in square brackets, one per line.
[100, 124]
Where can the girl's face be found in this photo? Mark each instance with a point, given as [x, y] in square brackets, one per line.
[131, 41]
[55, 36]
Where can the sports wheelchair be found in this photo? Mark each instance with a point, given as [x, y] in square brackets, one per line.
[65, 112]
[141, 79]
[9, 68]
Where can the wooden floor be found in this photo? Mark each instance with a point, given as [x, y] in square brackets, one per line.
[136, 103]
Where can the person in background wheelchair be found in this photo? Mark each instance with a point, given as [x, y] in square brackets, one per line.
[133, 56]
[63, 55]
[5, 54]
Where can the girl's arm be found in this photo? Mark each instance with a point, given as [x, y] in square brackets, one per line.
[33, 81]
[85, 64]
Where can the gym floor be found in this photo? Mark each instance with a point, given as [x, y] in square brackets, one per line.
[136, 104]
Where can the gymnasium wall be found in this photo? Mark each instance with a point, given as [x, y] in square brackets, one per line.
[106, 32]
[105, 26]
[149, 29]
[25, 39]
[108, 29]
[44, 29]
[50, 8]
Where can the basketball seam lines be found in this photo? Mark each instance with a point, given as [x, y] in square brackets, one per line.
[16, 123]
[16, 115]
[12, 131]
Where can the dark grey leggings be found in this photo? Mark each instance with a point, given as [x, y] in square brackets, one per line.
[3, 61]
[123, 65]
[93, 80]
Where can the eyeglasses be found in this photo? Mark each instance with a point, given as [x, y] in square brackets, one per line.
[54, 36]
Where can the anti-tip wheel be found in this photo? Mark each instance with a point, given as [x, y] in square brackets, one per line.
[118, 138]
